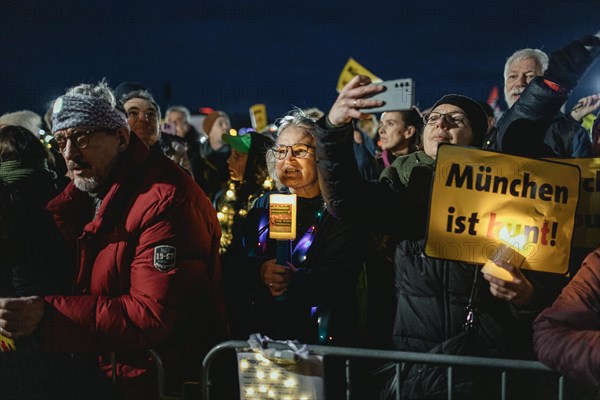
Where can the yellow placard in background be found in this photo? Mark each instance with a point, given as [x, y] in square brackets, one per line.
[350, 70]
[587, 216]
[258, 117]
[482, 199]
[6, 344]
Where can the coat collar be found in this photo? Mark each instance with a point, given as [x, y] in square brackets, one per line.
[72, 203]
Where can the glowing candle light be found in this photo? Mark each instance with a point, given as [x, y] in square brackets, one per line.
[282, 216]
[510, 251]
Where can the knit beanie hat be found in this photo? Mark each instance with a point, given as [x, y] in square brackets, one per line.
[210, 119]
[475, 114]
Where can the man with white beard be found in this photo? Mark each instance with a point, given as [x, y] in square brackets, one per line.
[148, 267]
[563, 136]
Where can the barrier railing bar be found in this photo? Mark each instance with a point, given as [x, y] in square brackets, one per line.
[391, 355]
[503, 385]
[398, 381]
[450, 386]
[348, 383]
[561, 388]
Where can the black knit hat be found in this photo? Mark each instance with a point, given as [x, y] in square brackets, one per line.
[475, 114]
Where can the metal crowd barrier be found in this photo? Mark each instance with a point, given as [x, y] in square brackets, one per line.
[350, 354]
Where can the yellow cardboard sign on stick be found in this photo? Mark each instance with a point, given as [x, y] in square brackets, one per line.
[587, 217]
[350, 70]
[258, 117]
[482, 200]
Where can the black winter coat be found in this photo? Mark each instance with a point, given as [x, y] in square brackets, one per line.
[534, 126]
[431, 294]
[33, 261]
[327, 276]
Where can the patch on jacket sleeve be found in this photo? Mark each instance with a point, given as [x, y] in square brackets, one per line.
[164, 258]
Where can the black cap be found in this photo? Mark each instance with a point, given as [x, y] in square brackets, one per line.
[475, 114]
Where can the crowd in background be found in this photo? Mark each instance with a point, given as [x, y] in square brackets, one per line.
[127, 234]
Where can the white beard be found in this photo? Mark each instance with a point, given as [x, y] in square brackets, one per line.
[86, 184]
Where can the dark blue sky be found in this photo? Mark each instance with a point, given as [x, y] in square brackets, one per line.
[231, 54]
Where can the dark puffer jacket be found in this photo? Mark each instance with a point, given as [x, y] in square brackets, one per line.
[535, 127]
[431, 294]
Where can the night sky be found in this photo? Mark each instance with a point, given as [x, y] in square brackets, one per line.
[231, 54]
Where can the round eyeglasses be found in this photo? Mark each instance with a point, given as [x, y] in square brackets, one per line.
[79, 138]
[453, 118]
[299, 150]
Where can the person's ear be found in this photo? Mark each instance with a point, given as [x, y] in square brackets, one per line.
[410, 132]
[124, 136]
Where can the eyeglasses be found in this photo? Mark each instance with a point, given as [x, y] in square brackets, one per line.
[149, 115]
[453, 118]
[79, 138]
[299, 150]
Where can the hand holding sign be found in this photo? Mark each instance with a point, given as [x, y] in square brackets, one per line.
[276, 277]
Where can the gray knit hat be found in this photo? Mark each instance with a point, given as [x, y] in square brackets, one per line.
[82, 110]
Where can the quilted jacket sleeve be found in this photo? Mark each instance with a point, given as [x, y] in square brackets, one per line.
[158, 304]
[567, 335]
[522, 130]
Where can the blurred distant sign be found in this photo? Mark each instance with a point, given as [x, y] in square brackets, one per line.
[258, 116]
[350, 70]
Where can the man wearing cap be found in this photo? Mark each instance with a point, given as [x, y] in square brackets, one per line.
[148, 271]
[249, 179]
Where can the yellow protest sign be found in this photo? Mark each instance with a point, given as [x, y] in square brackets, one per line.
[587, 216]
[482, 200]
[350, 70]
[258, 117]
[6, 344]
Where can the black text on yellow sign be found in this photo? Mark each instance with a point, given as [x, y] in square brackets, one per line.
[587, 217]
[481, 199]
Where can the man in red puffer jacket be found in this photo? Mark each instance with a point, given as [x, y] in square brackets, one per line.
[147, 241]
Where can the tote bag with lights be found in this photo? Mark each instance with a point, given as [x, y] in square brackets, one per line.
[288, 372]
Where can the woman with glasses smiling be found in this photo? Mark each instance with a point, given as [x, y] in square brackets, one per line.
[325, 257]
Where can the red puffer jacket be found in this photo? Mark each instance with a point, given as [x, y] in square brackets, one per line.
[148, 273]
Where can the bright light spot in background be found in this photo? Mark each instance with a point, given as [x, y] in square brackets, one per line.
[289, 382]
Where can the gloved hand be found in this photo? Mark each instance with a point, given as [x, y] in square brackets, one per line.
[569, 63]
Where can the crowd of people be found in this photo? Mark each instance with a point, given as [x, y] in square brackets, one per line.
[130, 239]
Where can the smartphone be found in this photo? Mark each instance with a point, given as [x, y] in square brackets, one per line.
[399, 94]
[169, 128]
